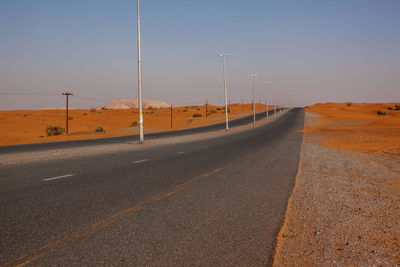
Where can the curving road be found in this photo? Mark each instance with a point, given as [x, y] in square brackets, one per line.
[213, 202]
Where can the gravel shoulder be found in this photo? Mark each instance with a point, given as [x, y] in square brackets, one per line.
[134, 146]
[344, 209]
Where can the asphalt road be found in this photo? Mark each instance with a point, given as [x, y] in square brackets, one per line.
[126, 138]
[213, 202]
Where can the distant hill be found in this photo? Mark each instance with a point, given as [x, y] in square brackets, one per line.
[133, 103]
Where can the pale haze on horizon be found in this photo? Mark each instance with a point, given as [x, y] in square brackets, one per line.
[315, 51]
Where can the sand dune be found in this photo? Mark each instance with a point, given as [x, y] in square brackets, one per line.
[358, 127]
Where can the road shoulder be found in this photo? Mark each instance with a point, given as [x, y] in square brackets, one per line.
[344, 210]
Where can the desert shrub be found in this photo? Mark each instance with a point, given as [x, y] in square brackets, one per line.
[397, 107]
[197, 115]
[100, 129]
[189, 121]
[229, 110]
[105, 108]
[389, 108]
[193, 107]
[152, 108]
[380, 112]
[54, 130]
[84, 114]
[25, 115]
[198, 108]
[134, 124]
[149, 112]
[93, 110]
[218, 108]
[349, 104]
[70, 118]
[213, 111]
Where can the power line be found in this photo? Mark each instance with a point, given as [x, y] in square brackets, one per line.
[5, 93]
[90, 98]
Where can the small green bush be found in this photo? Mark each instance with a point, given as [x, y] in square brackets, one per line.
[70, 118]
[54, 130]
[152, 108]
[134, 124]
[380, 112]
[197, 115]
[213, 111]
[219, 109]
[397, 107]
[349, 104]
[84, 114]
[198, 108]
[389, 108]
[193, 107]
[100, 129]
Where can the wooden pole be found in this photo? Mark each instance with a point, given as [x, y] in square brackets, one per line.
[206, 108]
[67, 94]
[171, 116]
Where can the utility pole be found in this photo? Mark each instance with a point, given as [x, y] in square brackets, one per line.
[254, 76]
[140, 102]
[171, 116]
[226, 96]
[67, 94]
[206, 108]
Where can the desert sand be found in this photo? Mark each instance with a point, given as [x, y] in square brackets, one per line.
[28, 126]
[345, 206]
[358, 127]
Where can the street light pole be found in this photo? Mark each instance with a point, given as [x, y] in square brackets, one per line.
[254, 76]
[268, 100]
[225, 94]
[140, 103]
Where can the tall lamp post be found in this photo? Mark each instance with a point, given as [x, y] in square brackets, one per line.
[254, 76]
[225, 94]
[266, 87]
[140, 103]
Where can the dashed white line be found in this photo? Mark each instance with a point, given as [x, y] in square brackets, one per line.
[58, 177]
[138, 161]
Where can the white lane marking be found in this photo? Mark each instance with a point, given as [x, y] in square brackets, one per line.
[181, 152]
[58, 177]
[138, 161]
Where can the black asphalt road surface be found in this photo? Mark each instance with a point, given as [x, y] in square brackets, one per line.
[215, 202]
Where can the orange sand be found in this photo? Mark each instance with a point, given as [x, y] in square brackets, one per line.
[358, 127]
[28, 126]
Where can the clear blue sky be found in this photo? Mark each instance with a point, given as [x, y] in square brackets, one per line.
[316, 50]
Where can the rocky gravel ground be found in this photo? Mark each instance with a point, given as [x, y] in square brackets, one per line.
[344, 210]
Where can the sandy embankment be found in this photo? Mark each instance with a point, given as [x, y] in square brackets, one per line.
[28, 126]
[345, 207]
